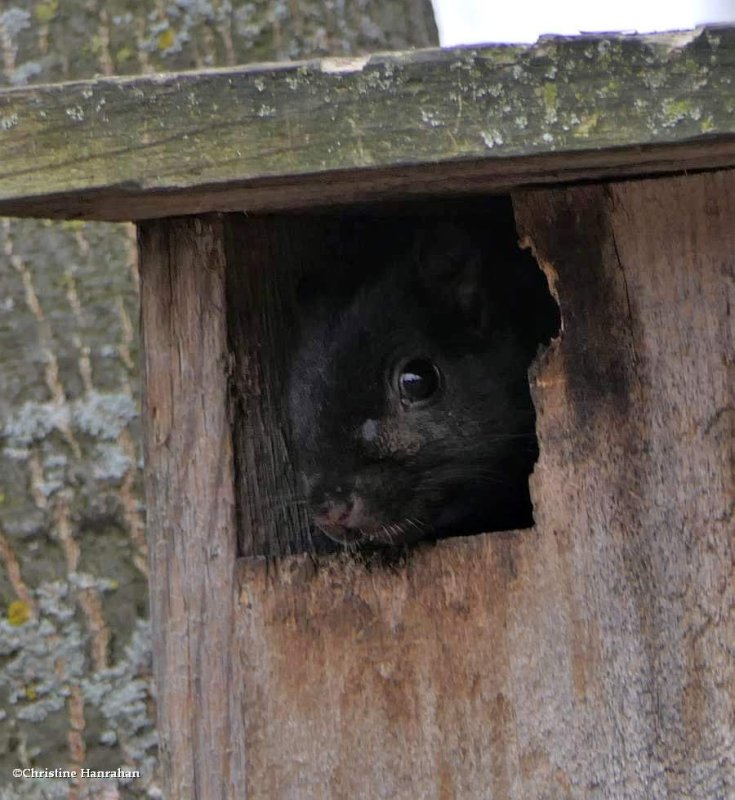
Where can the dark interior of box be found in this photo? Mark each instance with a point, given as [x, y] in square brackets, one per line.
[337, 278]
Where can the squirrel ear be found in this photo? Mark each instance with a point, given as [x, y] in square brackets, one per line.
[449, 268]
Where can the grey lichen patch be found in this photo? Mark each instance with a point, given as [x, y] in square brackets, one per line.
[492, 138]
[45, 657]
[111, 462]
[122, 694]
[104, 415]
[99, 415]
[36, 789]
[12, 21]
[40, 661]
[33, 422]
[76, 113]
[6, 123]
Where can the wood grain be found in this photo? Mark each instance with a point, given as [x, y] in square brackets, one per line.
[190, 507]
[265, 257]
[591, 656]
[306, 134]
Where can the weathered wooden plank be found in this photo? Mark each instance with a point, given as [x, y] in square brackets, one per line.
[589, 657]
[265, 256]
[305, 134]
[191, 507]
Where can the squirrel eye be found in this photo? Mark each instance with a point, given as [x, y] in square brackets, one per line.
[418, 380]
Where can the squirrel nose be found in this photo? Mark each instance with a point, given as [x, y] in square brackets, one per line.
[333, 513]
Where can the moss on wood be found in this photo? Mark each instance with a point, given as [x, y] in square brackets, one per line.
[120, 140]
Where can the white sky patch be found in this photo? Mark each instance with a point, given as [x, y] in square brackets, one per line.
[477, 21]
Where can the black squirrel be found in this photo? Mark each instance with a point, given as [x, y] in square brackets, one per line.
[408, 395]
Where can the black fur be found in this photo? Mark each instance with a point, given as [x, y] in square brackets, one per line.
[478, 308]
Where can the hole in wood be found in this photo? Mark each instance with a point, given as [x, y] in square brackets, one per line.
[380, 374]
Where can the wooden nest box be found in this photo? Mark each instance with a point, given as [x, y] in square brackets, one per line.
[590, 656]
